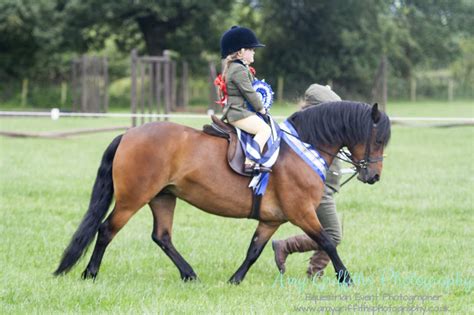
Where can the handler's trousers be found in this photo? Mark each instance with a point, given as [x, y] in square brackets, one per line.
[329, 220]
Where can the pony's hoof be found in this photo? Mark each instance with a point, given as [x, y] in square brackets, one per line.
[87, 274]
[347, 283]
[189, 277]
[344, 278]
[235, 281]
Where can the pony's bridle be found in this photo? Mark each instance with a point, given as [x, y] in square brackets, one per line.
[361, 165]
[364, 163]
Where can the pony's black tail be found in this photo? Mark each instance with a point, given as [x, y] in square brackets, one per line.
[101, 198]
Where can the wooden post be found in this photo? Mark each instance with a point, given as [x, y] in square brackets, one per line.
[106, 84]
[133, 88]
[384, 82]
[150, 75]
[63, 93]
[24, 92]
[74, 86]
[84, 84]
[184, 85]
[92, 107]
[380, 83]
[173, 85]
[450, 90]
[153, 88]
[89, 85]
[280, 85]
[95, 85]
[142, 91]
[167, 85]
[159, 87]
[413, 89]
[98, 84]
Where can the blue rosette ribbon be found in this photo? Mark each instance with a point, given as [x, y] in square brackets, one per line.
[265, 92]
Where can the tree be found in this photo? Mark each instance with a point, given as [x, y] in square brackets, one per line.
[342, 41]
[188, 27]
[463, 66]
[322, 41]
[37, 35]
[31, 37]
[434, 28]
[338, 41]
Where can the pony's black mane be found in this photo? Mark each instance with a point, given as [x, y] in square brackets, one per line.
[339, 123]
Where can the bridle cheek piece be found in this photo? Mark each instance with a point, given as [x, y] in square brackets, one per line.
[364, 163]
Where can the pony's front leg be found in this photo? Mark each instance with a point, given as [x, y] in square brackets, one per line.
[311, 226]
[260, 238]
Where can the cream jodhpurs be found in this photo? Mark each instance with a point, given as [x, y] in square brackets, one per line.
[255, 126]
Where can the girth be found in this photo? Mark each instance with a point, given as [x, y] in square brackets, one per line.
[235, 155]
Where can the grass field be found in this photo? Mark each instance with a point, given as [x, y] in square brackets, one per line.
[407, 240]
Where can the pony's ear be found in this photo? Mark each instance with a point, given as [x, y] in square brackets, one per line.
[375, 113]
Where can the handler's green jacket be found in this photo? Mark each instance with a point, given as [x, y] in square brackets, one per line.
[239, 89]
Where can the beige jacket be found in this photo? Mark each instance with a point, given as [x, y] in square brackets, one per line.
[239, 89]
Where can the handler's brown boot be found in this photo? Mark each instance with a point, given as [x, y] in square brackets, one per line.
[283, 248]
[317, 263]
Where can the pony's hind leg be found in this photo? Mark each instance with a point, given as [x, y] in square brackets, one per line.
[107, 230]
[259, 239]
[162, 207]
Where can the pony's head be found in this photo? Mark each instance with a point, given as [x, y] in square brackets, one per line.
[368, 157]
[362, 128]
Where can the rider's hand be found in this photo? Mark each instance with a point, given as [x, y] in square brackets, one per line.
[263, 111]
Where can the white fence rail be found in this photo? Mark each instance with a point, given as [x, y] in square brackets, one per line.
[56, 114]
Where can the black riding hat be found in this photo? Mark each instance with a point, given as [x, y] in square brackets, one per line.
[237, 38]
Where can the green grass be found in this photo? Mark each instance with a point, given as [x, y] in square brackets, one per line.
[410, 234]
[464, 109]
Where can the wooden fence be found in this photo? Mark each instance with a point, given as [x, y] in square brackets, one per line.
[90, 84]
[155, 87]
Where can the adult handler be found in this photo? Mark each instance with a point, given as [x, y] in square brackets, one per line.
[326, 211]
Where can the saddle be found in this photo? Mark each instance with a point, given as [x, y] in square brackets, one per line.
[235, 153]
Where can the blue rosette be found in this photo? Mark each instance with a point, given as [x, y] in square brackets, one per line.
[265, 92]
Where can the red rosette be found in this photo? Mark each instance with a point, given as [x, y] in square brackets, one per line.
[220, 83]
[252, 71]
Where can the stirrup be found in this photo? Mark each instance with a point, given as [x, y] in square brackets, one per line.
[249, 168]
[256, 169]
[264, 169]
